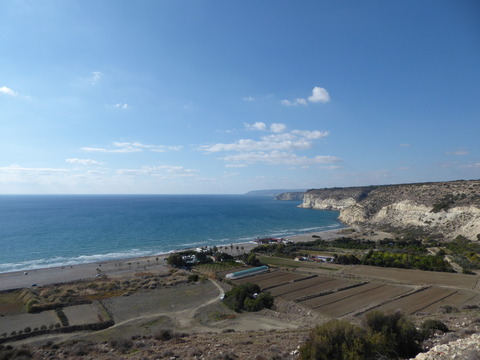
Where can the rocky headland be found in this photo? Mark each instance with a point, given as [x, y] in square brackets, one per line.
[447, 209]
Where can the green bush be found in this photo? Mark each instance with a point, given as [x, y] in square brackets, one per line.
[242, 297]
[336, 340]
[382, 336]
[393, 334]
[429, 327]
[193, 278]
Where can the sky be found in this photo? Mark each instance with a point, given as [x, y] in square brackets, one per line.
[224, 97]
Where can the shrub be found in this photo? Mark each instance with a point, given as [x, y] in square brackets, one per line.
[62, 317]
[27, 329]
[336, 340]
[393, 334]
[429, 327]
[122, 345]
[193, 278]
[382, 336]
[164, 335]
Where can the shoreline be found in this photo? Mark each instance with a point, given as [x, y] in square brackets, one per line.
[120, 267]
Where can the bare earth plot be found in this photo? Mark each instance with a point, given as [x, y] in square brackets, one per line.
[419, 277]
[163, 300]
[324, 284]
[344, 302]
[271, 279]
[18, 322]
[83, 314]
[299, 285]
[459, 298]
[420, 301]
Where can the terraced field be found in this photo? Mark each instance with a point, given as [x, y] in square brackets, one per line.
[272, 279]
[335, 297]
[344, 302]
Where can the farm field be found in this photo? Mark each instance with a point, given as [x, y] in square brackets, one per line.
[83, 314]
[344, 302]
[21, 321]
[418, 277]
[335, 296]
[272, 279]
[460, 297]
[420, 301]
[323, 284]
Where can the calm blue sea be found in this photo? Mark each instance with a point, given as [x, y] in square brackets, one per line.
[55, 230]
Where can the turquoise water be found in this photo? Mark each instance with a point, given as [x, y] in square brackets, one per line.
[46, 231]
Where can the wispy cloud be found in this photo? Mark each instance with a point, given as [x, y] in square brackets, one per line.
[163, 171]
[319, 95]
[295, 140]
[96, 77]
[128, 147]
[7, 91]
[83, 162]
[280, 158]
[123, 106]
[458, 152]
[256, 126]
[20, 174]
[248, 98]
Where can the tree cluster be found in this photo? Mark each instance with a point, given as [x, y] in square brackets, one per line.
[248, 297]
[406, 261]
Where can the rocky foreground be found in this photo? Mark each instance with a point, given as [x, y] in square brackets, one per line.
[466, 349]
[445, 209]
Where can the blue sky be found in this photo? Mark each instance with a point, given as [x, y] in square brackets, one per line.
[215, 97]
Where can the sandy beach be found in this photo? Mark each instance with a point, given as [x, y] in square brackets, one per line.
[121, 267]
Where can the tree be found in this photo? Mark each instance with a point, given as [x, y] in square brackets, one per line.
[175, 260]
[253, 260]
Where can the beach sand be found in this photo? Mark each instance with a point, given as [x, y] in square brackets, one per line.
[121, 267]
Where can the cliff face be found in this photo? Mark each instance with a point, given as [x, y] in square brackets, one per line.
[449, 208]
[290, 196]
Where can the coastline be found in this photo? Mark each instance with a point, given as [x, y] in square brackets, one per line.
[122, 267]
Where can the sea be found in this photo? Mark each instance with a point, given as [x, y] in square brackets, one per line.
[39, 231]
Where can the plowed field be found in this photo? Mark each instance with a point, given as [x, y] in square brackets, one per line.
[347, 301]
[323, 284]
[271, 279]
[419, 301]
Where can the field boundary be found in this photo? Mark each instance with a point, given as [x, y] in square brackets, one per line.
[323, 293]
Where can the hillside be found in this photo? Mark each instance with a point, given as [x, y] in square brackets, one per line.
[446, 208]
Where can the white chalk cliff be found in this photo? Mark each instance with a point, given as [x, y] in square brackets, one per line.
[447, 208]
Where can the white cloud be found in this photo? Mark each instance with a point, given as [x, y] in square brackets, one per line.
[311, 135]
[276, 127]
[296, 102]
[83, 162]
[95, 77]
[127, 147]
[163, 171]
[122, 106]
[256, 126]
[19, 174]
[280, 158]
[295, 140]
[7, 91]
[458, 152]
[319, 95]
[248, 98]
[235, 165]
